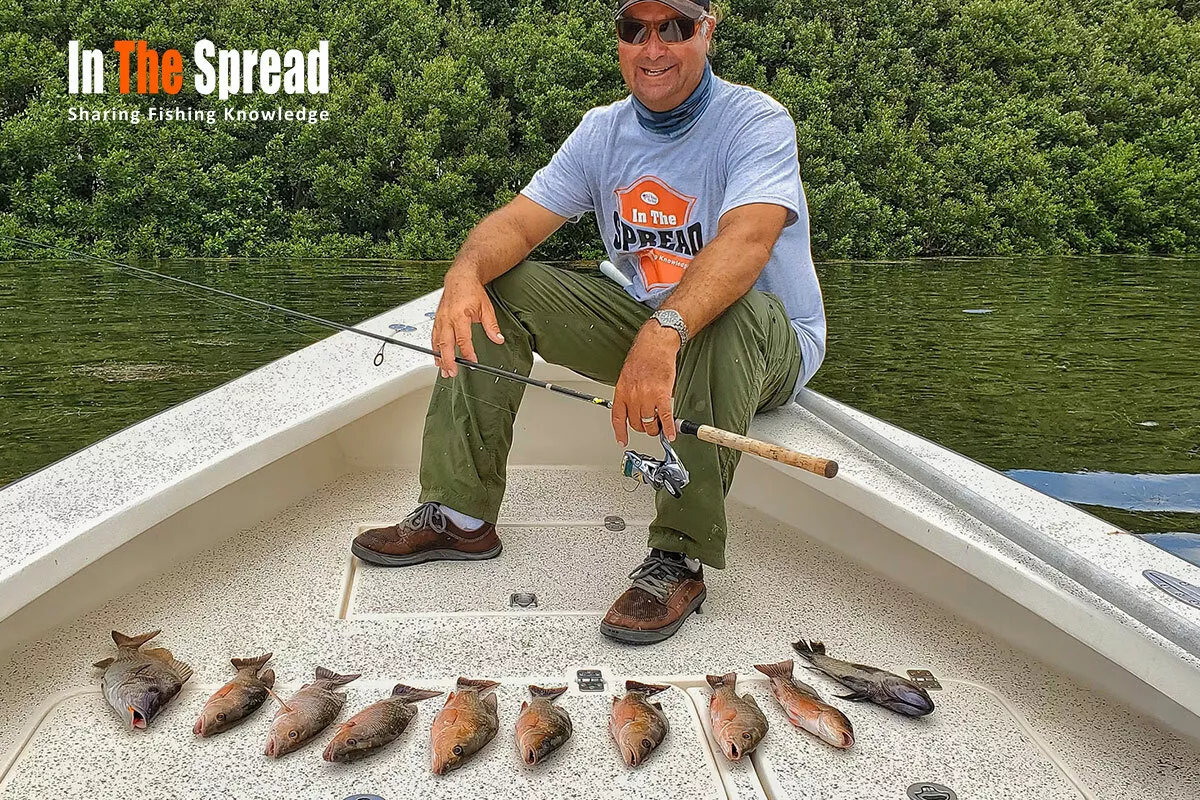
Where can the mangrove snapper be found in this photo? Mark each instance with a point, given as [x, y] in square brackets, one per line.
[306, 713]
[542, 726]
[637, 725]
[376, 725]
[738, 724]
[465, 724]
[804, 707]
[138, 683]
[237, 699]
[868, 683]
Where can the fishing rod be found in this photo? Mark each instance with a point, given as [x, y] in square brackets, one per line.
[667, 473]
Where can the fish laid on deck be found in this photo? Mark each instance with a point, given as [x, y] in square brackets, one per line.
[237, 699]
[737, 722]
[868, 683]
[465, 724]
[139, 683]
[805, 708]
[376, 725]
[307, 712]
[542, 727]
[637, 725]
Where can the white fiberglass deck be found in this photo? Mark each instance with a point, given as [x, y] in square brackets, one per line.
[1005, 725]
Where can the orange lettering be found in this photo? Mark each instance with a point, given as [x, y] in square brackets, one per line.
[147, 68]
[124, 48]
[172, 72]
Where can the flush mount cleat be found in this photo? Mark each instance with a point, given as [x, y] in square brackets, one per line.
[924, 678]
[523, 600]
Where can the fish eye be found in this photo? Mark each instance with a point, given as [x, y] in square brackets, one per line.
[220, 717]
[747, 736]
[152, 690]
[293, 734]
[352, 742]
[646, 743]
[458, 751]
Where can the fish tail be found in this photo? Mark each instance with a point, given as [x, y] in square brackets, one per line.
[548, 692]
[412, 694]
[481, 686]
[267, 676]
[133, 641]
[717, 681]
[781, 670]
[242, 663]
[647, 689]
[809, 648]
[331, 676]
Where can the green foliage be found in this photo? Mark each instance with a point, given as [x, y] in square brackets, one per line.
[925, 127]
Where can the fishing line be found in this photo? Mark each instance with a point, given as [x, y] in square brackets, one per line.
[643, 468]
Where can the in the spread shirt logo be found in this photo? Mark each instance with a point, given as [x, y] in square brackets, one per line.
[652, 220]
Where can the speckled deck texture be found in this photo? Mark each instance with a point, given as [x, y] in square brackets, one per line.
[279, 587]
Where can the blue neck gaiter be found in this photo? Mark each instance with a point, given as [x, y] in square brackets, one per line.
[681, 118]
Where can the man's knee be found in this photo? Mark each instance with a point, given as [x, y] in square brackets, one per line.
[519, 283]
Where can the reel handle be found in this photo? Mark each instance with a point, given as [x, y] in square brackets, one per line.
[772, 452]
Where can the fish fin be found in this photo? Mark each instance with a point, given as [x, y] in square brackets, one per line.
[284, 707]
[809, 648]
[133, 641]
[524, 705]
[267, 676]
[783, 669]
[853, 697]
[548, 692]
[412, 694]
[104, 663]
[657, 705]
[614, 701]
[648, 689]
[491, 702]
[331, 676]
[257, 663]
[717, 681]
[182, 670]
[480, 686]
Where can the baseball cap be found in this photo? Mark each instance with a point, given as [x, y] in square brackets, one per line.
[692, 9]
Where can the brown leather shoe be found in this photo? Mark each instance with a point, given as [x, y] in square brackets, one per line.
[664, 592]
[425, 535]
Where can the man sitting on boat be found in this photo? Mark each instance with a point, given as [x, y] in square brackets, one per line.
[695, 185]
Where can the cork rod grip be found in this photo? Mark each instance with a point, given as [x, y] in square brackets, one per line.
[818, 466]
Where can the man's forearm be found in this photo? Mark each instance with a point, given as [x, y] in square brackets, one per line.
[494, 246]
[720, 273]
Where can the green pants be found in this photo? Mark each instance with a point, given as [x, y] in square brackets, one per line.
[745, 361]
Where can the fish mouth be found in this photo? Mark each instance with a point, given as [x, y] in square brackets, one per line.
[271, 750]
[198, 728]
[330, 754]
[531, 756]
[734, 753]
[136, 719]
[632, 757]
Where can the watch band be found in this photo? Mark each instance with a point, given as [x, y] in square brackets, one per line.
[670, 318]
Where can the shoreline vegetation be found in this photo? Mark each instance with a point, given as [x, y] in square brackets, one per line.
[925, 127]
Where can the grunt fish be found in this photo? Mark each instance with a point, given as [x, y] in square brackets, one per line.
[138, 683]
[637, 725]
[737, 722]
[465, 724]
[542, 727]
[376, 725]
[805, 708]
[306, 713]
[868, 683]
[237, 699]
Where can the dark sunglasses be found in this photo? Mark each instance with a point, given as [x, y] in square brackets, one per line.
[671, 31]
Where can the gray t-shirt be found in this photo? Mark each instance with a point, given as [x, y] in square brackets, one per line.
[657, 200]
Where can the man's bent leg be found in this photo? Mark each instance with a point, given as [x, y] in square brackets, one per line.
[580, 320]
[745, 361]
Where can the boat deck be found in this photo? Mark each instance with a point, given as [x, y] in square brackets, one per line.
[1006, 725]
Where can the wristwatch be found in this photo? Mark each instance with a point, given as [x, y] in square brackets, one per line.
[670, 318]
